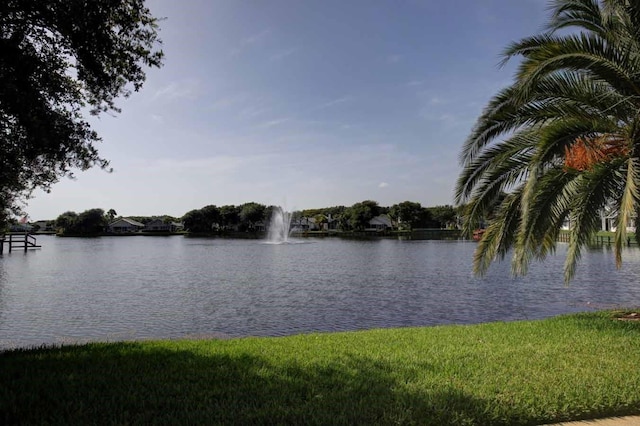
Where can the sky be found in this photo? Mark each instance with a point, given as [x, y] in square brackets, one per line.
[300, 103]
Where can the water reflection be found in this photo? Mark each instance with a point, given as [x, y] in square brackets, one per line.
[134, 288]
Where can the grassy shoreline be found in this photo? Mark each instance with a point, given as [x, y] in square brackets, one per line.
[571, 367]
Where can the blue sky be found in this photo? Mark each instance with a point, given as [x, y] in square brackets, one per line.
[301, 103]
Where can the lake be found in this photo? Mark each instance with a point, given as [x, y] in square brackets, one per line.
[123, 288]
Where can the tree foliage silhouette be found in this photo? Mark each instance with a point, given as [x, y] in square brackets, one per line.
[59, 61]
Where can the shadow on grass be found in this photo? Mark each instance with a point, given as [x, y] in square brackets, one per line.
[130, 383]
[608, 321]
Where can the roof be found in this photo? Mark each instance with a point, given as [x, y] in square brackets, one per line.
[383, 219]
[127, 221]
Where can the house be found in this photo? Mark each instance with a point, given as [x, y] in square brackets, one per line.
[157, 225]
[177, 227]
[608, 222]
[380, 223]
[43, 225]
[20, 227]
[313, 225]
[310, 223]
[299, 225]
[304, 224]
[329, 223]
[124, 225]
[608, 219]
[332, 223]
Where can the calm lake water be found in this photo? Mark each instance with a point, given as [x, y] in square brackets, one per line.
[121, 288]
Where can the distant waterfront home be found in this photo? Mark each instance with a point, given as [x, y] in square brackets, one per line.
[299, 225]
[328, 224]
[124, 225]
[380, 223]
[608, 222]
[158, 225]
[21, 227]
[43, 225]
[608, 219]
[332, 224]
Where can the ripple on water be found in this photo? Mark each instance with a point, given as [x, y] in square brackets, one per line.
[76, 290]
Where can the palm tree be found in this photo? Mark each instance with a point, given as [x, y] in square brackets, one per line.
[563, 141]
[111, 214]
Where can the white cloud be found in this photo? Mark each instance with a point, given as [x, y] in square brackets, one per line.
[272, 123]
[282, 54]
[186, 89]
[249, 41]
[306, 174]
[253, 111]
[228, 101]
[255, 38]
[334, 102]
[210, 165]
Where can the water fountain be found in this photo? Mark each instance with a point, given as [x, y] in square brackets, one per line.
[279, 227]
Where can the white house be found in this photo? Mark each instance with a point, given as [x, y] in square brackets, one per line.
[608, 219]
[609, 223]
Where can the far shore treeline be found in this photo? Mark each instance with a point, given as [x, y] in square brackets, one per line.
[255, 217]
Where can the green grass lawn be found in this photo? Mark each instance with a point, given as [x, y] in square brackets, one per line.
[531, 372]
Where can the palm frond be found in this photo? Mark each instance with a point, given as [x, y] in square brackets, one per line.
[627, 207]
[498, 238]
[584, 14]
[580, 52]
[497, 119]
[594, 188]
[510, 155]
[545, 206]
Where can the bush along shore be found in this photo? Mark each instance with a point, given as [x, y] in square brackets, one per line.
[572, 367]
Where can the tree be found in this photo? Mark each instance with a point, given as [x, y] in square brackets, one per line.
[229, 216]
[250, 214]
[445, 216]
[410, 215]
[111, 214]
[66, 221]
[562, 141]
[194, 221]
[58, 59]
[210, 217]
[359, 215]
[89, 222]
[320, 220]
[312, 212]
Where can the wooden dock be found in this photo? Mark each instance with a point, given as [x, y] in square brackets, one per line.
[22, 241]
